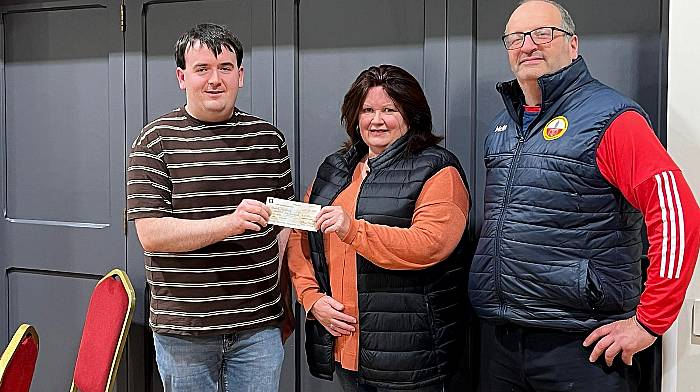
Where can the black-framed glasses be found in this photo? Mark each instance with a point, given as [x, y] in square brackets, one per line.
[541, 35]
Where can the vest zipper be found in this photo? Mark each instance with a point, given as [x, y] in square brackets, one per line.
[506, 197]
[362, 184]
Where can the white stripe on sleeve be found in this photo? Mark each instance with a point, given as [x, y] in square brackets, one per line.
[662, 204]
[672, 214]
[681, 226]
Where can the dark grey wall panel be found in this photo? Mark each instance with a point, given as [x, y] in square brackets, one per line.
[461, 140]
[261, 56]
[61, 170]
[63, 134]
[56, 143]
[284, 55]
[284, 59]
[434, 79]
[460, 97]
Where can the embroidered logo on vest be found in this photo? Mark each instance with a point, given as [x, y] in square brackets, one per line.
[501, 128]
[555, 128]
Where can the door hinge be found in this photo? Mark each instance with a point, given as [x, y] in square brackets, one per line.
[122, 17]
[125, 223]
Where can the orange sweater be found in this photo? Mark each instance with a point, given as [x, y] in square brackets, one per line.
[438, 224]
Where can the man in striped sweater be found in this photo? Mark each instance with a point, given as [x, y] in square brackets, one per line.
[197, 180]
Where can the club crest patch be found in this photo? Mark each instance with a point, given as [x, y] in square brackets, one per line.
[555, 128]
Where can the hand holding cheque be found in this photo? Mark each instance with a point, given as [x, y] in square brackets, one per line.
[310, 217]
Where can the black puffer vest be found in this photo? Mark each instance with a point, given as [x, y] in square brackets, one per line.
[560, 247]
[411, 322]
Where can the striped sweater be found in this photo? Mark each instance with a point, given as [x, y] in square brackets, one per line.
[188, 169]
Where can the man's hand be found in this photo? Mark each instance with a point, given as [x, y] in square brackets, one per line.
[168, 234]
[329, 313]
[250, 215]
[625, 336]
[333, 219]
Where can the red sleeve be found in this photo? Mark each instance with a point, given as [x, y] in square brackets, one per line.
[631, 158]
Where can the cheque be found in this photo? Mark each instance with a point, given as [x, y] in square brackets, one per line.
[292, 214]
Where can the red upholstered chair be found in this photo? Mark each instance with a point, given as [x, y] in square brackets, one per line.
[18, 361]
[104, 335]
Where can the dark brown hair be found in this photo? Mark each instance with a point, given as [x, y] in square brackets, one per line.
[214, 36]
[407, 95]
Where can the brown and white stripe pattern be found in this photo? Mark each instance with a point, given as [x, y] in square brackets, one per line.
[673, 244]
[180, 167]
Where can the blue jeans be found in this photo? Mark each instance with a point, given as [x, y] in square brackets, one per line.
[246, 361]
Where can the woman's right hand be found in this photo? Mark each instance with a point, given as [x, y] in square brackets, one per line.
[329, 313]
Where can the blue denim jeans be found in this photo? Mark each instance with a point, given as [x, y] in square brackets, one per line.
[247, 361]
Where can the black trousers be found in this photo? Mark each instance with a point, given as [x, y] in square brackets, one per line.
[515, 359]
[350, 383]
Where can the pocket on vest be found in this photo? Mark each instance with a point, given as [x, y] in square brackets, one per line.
[447, 316]
[600, 295]
[546, 286]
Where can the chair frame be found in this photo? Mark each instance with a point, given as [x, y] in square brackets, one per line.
[129, 289]
[23, 331]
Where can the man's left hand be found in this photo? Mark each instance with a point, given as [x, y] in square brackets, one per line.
[623, 336]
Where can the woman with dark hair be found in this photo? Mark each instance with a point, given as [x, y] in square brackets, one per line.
[383, 280]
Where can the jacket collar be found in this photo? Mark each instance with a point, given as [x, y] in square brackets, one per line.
[393, 152]
[553, 86]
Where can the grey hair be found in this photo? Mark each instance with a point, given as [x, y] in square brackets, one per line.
[567, 23]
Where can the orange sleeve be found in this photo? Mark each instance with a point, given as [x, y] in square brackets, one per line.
[437, 226]
[300, 268]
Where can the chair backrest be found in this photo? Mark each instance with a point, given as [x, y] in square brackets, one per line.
[104, 335]
[19, 359]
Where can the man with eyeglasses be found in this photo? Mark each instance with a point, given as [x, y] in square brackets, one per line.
[573, 171]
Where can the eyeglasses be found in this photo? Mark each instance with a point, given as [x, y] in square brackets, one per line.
[539, 36]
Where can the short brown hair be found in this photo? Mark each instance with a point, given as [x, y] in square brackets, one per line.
[213, 36]
[407, 95]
